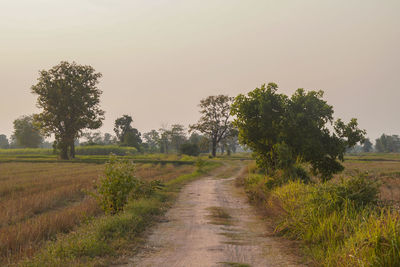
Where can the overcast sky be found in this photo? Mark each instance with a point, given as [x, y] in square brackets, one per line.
[160, 57]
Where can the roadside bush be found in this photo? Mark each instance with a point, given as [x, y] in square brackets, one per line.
[116, 185]
[358, 190]
[120, 183]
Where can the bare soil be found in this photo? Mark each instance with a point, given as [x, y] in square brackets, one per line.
[212, 224]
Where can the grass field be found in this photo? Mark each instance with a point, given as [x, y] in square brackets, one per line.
[40, 200]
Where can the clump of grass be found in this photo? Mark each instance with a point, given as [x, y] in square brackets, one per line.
[376, 242]
[340, 222]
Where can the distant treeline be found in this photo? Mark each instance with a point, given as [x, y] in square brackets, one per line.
[174, 139]
[384, 144]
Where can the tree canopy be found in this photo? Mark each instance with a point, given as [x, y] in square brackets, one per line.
[367, 147]
[4, 141]
[25, 133]
[69, 99]
[126, 134]
[215, 119]
[282, 130]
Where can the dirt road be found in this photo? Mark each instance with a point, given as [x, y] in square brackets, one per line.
[212, 224]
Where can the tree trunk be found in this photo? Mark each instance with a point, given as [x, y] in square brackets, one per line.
[72, 149]
[64, 150]
[214, 147]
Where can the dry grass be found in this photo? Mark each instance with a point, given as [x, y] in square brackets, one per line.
[40, 200]
[387, 172]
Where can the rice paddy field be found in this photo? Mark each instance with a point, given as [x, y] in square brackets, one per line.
[40, 200]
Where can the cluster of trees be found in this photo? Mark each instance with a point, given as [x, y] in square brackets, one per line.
[25, 135]
[280, 130]
[384, 144]
[69, 100]
[388, 143]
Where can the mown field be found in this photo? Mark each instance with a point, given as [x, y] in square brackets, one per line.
[40, 200]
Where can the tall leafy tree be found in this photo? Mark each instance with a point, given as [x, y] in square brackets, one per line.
[281, 130]
[4, 141]
[126, 134]
[165, 140]
[69, 99]
[215, 119]
[152, 140]
[367, 147]
[201, 141]
[25, 133]
[178, 136]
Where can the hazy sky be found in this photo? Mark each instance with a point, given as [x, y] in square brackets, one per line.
[159, 58]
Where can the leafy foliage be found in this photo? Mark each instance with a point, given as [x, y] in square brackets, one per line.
[152, 140]
[273, 124]
[388, 143]
[126, 134]
[26, 134]
[120, 183]
[367, 147]
[116, 185]
[215, 120]
[190, 149]
[69, 97]
[4, 141]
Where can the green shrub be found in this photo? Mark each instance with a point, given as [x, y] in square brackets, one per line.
[116, 185]
[358, 190]
[119, 184]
